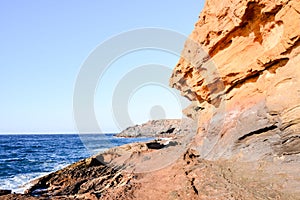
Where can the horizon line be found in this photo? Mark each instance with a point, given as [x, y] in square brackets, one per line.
[52, 133]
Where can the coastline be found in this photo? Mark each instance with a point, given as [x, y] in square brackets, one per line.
[110, 162]
[30, 161]
[238, 68]
[118, 173]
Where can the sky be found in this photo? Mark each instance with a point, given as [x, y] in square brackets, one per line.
[45, 43]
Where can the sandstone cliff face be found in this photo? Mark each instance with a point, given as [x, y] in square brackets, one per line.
[246, 89]
[240, 69]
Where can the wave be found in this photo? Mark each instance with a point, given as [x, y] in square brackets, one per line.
[21, 182]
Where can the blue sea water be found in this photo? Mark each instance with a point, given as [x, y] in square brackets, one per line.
[24, 157]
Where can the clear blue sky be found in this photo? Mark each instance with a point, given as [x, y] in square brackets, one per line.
[44, 43]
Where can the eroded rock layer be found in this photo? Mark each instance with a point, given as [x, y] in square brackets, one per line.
[241, 69]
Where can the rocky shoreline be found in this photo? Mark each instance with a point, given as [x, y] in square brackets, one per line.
[113, 175]
[108, 175]
[166, 169]
[240, 69]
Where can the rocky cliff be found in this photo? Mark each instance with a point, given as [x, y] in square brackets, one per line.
[241, 69]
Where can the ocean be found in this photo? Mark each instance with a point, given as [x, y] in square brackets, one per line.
[24, 157]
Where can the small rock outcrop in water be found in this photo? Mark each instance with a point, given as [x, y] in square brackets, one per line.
[246, 101]
[158, 128]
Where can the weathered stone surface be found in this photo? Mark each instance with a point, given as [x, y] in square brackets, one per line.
[246, 89]
[245, 92]
[189, 177]
[86, 179]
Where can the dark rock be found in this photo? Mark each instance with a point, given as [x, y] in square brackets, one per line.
[169, 131]
[155, 145]
[4, 192]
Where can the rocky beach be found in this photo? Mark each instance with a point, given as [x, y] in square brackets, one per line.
[242, 140]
